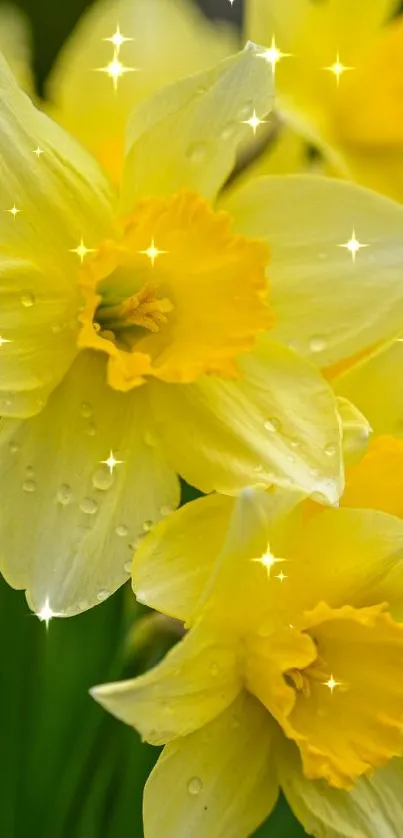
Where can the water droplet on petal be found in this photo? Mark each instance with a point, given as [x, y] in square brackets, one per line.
[86, 410]
[90, 429]
[127, 567]
[330, 449]
[64, 494]
[56, 328]
[150, 438]
[245, 110]
[27, 299]
[83, 604]
[166, 510]
[214, 669]
[317, 343]
[195, 785]
[147, 526]
[14, 447]
[122, 530]
[196, 152]
[228, 131]
[29, 471]
[29, 486]
[103, 479]
[89, 506]
[272, 424]
[101, 595]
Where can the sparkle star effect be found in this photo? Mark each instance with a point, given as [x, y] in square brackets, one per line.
[152, 252]
[46, 614]
[253, 122]
[111, 462]
[338, 69]
[268, 561]
[14, 211]
[331, 684]
[353, 245]
[38, 151]
[281, 576]
[4, 340]
[115, 70]
[82, 251]
[118, 39]
[273, 55]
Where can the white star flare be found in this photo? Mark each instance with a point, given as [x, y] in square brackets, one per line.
[268, 561]
[82, 251]
[273, 55]
[353, 245]
[115, 70]
[254, 122]
[118, 39]
[112, 462]
[338, 69]
[152, 252]
[46, 614]
[331, 684]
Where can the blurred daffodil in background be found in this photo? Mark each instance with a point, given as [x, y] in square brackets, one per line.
[339, 76]
[290, 673]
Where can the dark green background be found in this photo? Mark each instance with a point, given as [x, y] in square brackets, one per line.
[68, 769]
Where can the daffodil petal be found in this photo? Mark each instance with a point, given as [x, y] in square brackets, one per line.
[172, 566]
[376, 388]
[350, 556]
[81, 518]
[220, 781]
[195, 682]
[55, 199]
[328, 306]
[15, 43]
[205, 117]
[373, 807]
[166, 41]
[271, 425]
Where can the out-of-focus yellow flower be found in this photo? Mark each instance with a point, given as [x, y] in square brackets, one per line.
[290, 674]
[162, 352]
[166, 40]
[340, 85]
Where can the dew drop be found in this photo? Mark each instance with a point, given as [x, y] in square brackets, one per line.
[127, 567]
[86, 410]
[318, 343]
[272, 424]
[83, 604]
[29, 471]
[195, 785]
[56, 328]
[228, 131]
[14, 447]
[196, 152]
[245, 110]
[64, 494]
[122, 530]
[102, 479]
[101, 595]
[89, 506]
[166, 510]
[29, 486]
[330, 449]
[96, 327]
[27, 299]
[235, 723]
[90, 430]
[214, 670]
[147, 526]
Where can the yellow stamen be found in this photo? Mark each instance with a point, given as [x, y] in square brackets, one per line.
[143, 309]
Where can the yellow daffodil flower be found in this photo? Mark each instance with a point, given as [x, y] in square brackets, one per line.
[146, 44]
[139, 338]
[290, 674]
[339, 71]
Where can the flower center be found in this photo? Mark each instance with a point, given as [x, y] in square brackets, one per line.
[176, 296]
[333, 684]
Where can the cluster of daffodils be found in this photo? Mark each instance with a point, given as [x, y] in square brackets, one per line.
[162, 318]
